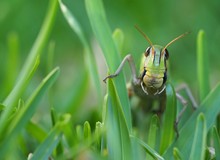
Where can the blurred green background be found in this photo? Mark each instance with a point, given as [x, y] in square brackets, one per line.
[160, 20]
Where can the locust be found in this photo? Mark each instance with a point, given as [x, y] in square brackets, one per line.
[151, 81]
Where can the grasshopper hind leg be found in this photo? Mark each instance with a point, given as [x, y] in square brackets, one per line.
[184, 87]
[184, 102]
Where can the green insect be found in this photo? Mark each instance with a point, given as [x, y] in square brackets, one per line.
[151, 83]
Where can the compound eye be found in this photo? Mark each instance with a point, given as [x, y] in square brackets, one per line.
[166, 54]
[147, 52]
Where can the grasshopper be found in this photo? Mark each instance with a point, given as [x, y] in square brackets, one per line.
[151, 83]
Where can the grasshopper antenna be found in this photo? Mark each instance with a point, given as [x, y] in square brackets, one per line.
[145, 36]
[174, 40]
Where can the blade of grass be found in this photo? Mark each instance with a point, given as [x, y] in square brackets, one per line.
[50, 55]
[79, 132]
[49, 67]
[153, 134]
[148, 149]
[87, 131]
[16, 110]
[53, 116]
[27, 69]
[36, 131]
[216, 141]
[13, 60]
[210, 108]
[46, 148]
[27, 111]
[2, 107]
[176, 154]
[199, 141]
[202, 65]
[82, 145]
[96, 13]
[54, 119]
[118, 140]
[98, 134]
[169, 117]
[78, 151]
[218, 123]
[69, 134]
[118, 38]
[153, 131]
[89, 57]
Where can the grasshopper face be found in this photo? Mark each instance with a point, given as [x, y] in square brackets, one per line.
[154, 69]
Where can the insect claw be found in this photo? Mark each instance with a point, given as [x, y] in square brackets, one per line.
[162, 90]
[145, 91]
[156, 92]
[104, 80]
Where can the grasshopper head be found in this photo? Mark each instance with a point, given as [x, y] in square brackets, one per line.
[155, 66]
[155, 70]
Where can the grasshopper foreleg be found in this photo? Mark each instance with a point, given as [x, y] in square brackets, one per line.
[132, 66]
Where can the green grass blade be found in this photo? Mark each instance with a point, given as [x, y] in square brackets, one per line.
[54, 118]
[27, 69]
[89, 57]
[27, 111]
[46, 148]
[36, 131]
[98, 133]
[87, 131]
[118, 140]
[13, 61]
[2, 107]
[218, 123]
[50, 59]
[216, 141]
[208, 155]
[148, 149]
[202, 65]
[69, 135]
[73, 23]
[96, 13]
[199, 141]
[210, 108]
[169, 117]
[118, 38]
[176, 154]
[153, 133]
[16, 110]
[79, 132]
